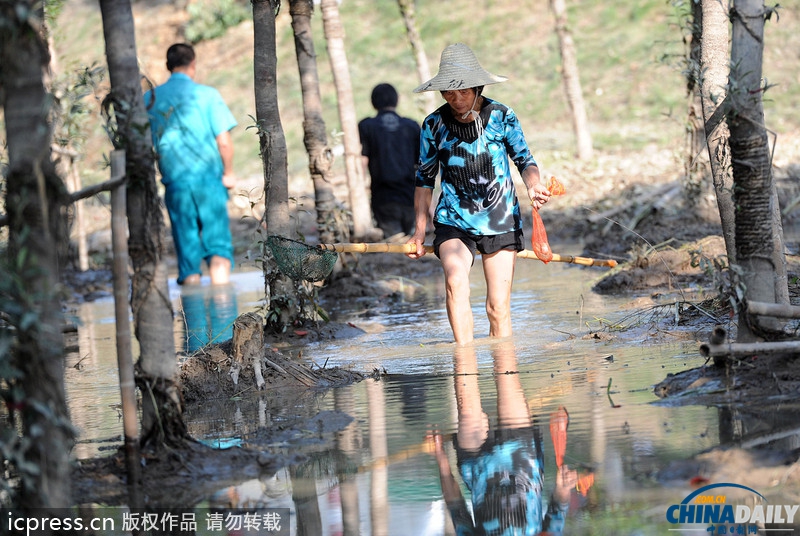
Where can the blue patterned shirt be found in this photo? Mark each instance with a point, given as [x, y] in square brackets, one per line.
[505, 480]
[478, 194]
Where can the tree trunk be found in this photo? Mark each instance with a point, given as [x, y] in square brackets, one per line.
[752, 175]
[272, 143]
[428, 98]
[279, 291]
[359, 202]
[696, 179]
[315, 137]
[714, 61]
[694, 129]
[162, 409]
[34, 197]
[572, 82]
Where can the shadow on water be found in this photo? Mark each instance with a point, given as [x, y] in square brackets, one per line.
[551, 428]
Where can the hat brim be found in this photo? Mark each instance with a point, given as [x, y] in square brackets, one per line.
[447, 82]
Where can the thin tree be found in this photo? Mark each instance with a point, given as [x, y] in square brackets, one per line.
[713, 81]
[162, 409]
[696, 167]
[408, 11]
[31, 354]
[280, 293]
[359, 202]
[572, 82]
[757, 232]
[320, 156]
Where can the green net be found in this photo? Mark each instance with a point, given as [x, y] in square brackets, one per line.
[298, 260]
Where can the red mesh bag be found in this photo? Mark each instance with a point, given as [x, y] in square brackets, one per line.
[555, 187]
[559, 421]
[539, 243]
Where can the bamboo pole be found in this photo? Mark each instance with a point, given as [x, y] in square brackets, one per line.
[718, 349]
[127, 386]
[718, 335]
[748, 348]
[584, 261]
[773, 309]
[362, 247]
[410, 248]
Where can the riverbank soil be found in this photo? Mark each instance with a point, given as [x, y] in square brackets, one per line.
[669, 252]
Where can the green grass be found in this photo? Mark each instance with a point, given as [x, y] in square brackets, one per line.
[628, 55]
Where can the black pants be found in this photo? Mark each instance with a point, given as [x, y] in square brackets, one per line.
[394, 218]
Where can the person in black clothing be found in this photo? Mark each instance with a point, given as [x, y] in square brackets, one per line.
[390, 147]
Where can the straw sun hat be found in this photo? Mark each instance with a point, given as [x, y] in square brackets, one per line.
[459, 69]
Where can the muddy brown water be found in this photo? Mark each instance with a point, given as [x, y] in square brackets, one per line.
[375, 472]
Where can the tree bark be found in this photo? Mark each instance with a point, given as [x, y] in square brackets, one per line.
[320, 156]
[272, 143]
[34, 200]
[359, 203]
[407, 10]
[713, 72]
[279, 291]
[697, 177]
[162, 409]
[572, 82]
[756, 232]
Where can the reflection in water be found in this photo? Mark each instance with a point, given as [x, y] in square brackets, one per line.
[379, 450]
[208, 313]
[502, 465]
[349, 443]
[384, 456]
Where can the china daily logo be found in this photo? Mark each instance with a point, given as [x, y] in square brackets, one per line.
[708, 506]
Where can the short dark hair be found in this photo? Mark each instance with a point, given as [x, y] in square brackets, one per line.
[384, 96]
[179, 55]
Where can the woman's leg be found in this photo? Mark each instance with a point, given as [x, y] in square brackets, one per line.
[498, 268]
[456, 261]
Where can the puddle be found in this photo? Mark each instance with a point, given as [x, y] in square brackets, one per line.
[382, 475]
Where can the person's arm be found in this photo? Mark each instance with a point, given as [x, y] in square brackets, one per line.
[422, 203]
[557, 508]
[451, 491]
[519, 152]
[365, 165]
[427, 171]
[225, 146]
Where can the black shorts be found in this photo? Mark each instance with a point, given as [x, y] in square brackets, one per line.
[486, 245]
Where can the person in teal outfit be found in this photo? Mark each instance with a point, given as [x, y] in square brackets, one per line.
[208, 315]
[190, 125]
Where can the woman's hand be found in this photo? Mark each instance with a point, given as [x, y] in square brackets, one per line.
[566, 479]
[418, 239]
[539, 195]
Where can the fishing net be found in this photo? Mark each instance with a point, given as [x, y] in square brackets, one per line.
[301, 261]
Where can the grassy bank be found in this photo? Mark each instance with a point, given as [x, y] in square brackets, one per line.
[629, 55]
